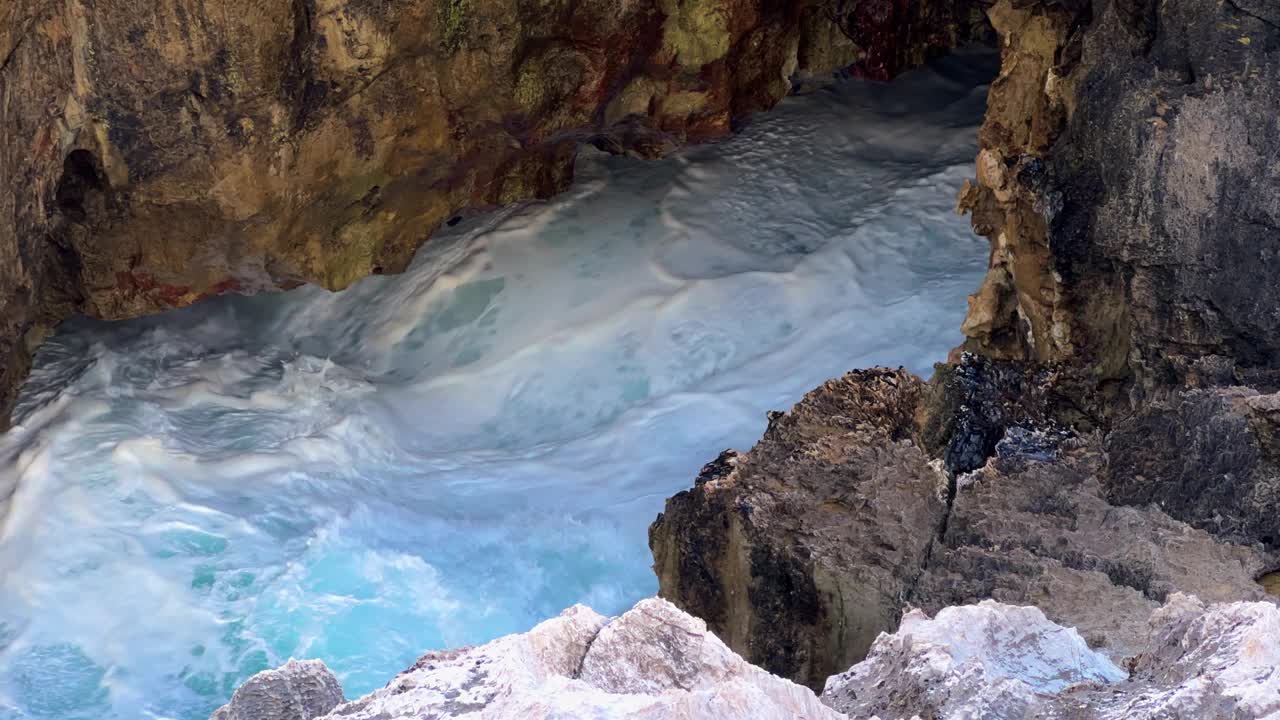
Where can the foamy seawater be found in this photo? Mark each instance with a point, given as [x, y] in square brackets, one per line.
[457, 453]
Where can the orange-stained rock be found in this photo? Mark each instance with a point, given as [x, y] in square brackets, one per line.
[154, 155]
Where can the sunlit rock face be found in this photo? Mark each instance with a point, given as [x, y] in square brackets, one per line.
[653, 663]
[1215, 662]
[990, 660]
[150, 159]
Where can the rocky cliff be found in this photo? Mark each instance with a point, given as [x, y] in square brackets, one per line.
[879, 492]
[153, 158]
[1128, 183]
[1106, 434]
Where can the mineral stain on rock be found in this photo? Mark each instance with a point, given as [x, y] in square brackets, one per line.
[149, 160]
[1271, 583]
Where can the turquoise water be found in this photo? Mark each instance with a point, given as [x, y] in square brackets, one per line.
[442, 457]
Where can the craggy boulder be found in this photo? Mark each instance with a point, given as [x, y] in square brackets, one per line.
[879, 492]
[297, 690]
[652, 663]
[800, 552]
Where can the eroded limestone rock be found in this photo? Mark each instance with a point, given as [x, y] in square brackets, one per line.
[1129, 188]
[653, 662]
[1216, 662]
[990, 661]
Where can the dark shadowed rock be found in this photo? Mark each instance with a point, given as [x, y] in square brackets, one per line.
[1206, 457]
[1129, 187]
[800, 552]
[1034, 527]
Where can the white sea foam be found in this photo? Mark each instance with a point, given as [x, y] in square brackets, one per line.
[452, 454]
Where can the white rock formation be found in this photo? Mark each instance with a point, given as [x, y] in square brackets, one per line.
[1208, 663]
[654, 662]
[997, 662]
[981, 661]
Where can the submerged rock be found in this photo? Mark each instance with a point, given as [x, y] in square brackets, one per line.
[997, 662]
[297, 690]
[653, 662]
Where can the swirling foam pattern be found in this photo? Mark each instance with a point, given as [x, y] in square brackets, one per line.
[442, 457]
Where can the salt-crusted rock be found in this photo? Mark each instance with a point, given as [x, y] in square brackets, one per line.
[1220, 661]
[993, 661]
[653, 662]
[989, 660]
[297, 690]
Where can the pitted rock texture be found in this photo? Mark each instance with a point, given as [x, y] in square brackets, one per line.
[1215, 662]
[150, 159]
[800, 552]
[1129, 187]
[1224, 476]
[878, 491]
[990, 661]
[297, 690]
[653, 662]
[1033, 527]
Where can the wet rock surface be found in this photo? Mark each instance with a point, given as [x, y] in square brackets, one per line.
[151, 159]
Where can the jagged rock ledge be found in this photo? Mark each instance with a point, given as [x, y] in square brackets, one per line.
[655, 662]
[1113, 439]
[879, 491]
